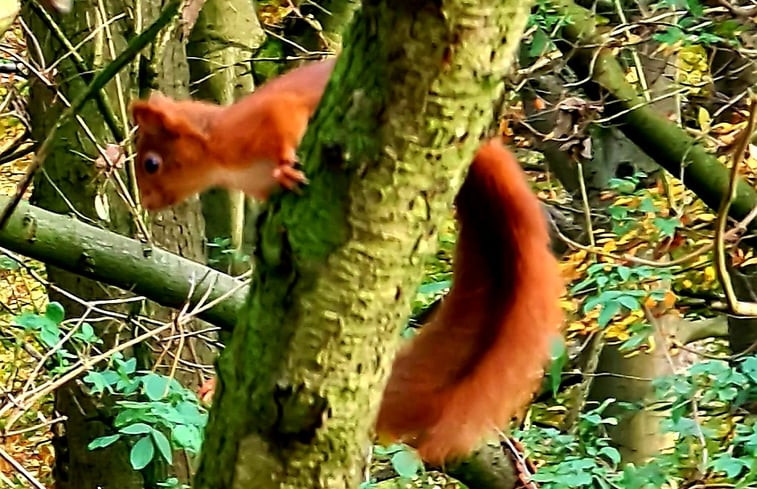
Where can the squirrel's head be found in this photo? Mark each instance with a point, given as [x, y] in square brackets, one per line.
[172, 149]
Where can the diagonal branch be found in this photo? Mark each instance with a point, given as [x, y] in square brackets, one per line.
[669, 145]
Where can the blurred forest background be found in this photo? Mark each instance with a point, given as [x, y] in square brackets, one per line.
[628, 116]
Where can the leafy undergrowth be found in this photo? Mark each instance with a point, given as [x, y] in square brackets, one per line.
[26, 435]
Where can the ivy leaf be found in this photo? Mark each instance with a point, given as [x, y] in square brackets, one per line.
[729, 464]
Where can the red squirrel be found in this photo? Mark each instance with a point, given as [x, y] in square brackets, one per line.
[478, 361]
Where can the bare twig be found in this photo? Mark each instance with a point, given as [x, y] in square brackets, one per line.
[736, 305]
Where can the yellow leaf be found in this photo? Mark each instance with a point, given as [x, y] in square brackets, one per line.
[626, 200]
[710, 273]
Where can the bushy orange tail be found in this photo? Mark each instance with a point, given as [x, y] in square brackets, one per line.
[477, 363]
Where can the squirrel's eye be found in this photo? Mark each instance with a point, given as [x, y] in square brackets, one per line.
[151, 163]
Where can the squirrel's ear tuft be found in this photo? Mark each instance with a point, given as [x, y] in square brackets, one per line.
[150, 117]
[159, 116]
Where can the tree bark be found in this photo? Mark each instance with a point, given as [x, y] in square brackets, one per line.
[94, 253]
[300, 384]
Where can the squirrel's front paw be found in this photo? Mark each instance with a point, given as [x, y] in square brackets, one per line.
[288, 177]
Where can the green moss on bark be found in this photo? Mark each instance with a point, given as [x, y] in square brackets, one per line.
[410, 99]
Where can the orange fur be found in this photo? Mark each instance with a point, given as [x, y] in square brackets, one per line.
[479, 360]
[250, 145]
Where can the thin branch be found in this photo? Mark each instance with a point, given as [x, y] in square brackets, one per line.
[98, 82]
[736, 305]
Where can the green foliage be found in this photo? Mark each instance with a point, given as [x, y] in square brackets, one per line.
[153, 413]
[711, 415]
[614, 290]
[573, 461]
[404, 459]
[49, 331]
[149, 407]
[627, 214]
[696, 27]
[546, 21]
[708, 410]
[221, 252]
[559, 359]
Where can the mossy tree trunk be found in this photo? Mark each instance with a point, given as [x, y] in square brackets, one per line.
[299, 385]
[70, 182]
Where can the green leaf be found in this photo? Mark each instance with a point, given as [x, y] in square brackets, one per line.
[50, 333]
[55, 312]
[191, 414]
[749, 367]
[136, 429]
[127, 367]
[434, 287]
[103, 441]
[667, 226]
[155, 386]
[98, 382]
[611, 453]
[729, 464]
[142, 453]
[539, 43]
[407, 463]
[164, 447]
[608, 311]
[629, 302]
[187, 437]
[30, 321]
[647, 205]
[7, 263]
[559, 355]
[87, 334]
[624, 272]
[695, 8]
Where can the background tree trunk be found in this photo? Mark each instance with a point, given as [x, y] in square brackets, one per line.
[70, 182]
